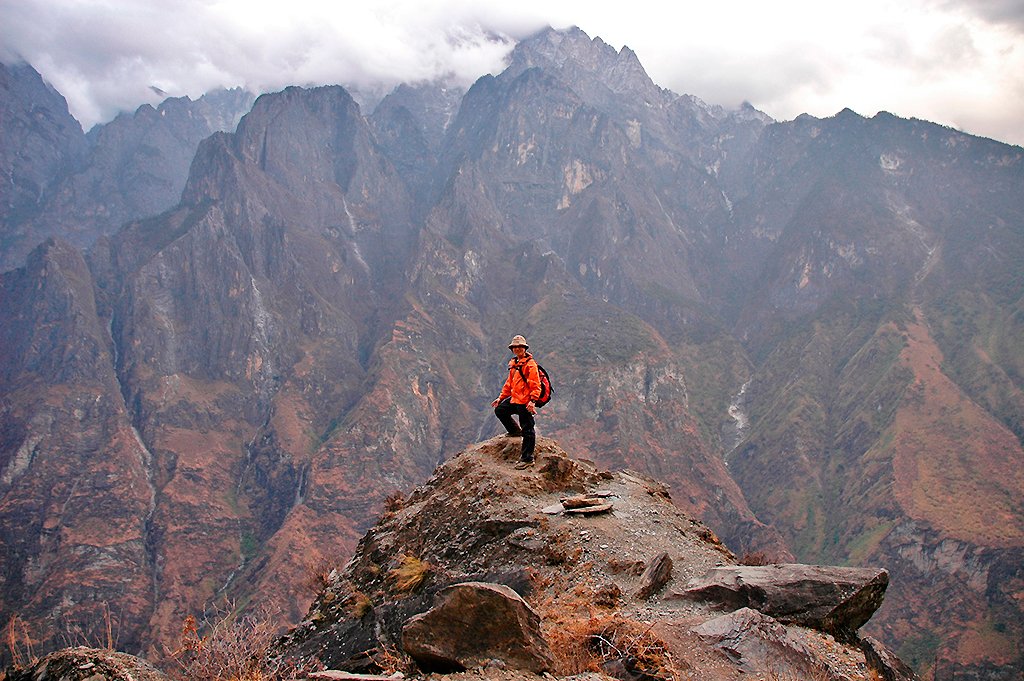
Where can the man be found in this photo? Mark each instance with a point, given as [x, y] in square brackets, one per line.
[517, 396]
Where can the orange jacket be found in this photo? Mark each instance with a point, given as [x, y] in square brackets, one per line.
[521, 391]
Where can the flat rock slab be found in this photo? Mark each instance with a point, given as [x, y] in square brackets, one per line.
[473, 623]
[582, 501]
[836, 600]
[590, 510]
[337, 675]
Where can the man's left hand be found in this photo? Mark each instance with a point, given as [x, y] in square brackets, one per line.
[530, 407]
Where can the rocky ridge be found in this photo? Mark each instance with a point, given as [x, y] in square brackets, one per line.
[487, 528]
[79, 187]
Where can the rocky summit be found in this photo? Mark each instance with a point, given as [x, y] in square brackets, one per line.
[498, 571]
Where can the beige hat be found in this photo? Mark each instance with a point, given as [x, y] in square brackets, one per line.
[518, 340]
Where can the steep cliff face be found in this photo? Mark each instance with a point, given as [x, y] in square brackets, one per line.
[250, 332]
[76, 495]
[237, 329]
[80, 187]
[861, 422]
[137, 165]
[323, 316]
[410, 125]
[42, 144]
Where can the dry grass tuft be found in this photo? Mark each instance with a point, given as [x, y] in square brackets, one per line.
[586, 638]
[602, 642]
[359, 604]
[410, 574]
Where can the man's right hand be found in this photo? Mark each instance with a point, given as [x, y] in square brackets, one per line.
[494, 403]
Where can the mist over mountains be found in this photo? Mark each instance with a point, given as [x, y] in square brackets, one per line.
[225, 340]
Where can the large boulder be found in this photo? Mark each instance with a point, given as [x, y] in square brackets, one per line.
[473, 623]
[88, 664]
[836, 600]
[759, 644]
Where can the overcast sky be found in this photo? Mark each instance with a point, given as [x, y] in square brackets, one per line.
[956, 63]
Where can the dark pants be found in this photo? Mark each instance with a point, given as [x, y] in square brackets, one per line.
[504, 412]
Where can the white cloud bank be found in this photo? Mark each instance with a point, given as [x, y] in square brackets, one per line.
[955, 63]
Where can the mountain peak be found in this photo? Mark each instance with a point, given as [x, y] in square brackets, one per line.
[585, 63]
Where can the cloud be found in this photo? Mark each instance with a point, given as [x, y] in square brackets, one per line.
[957, 63]
[105, 56]
[915, 59]
[1009, 12]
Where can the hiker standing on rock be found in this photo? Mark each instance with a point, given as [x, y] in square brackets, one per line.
[518, 395]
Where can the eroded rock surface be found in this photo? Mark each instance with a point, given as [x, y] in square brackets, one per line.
[89, 664]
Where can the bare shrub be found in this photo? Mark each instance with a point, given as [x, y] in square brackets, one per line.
[229, 646]
[393, 503]
[390, 660]
[633, 644]
[318, 574]
[104, 638]
[19, 643]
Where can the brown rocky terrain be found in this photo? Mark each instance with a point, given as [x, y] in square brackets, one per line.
[478, 521]
[88, 664]
[546, 569]
[220, 395]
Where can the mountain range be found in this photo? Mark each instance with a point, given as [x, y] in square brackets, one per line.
[226, 340]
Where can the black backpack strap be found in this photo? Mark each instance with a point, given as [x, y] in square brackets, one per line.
[521, 374]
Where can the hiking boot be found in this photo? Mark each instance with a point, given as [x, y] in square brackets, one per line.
[523, 465]
[518, 434]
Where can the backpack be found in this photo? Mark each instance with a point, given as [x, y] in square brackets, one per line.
[546, 389]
